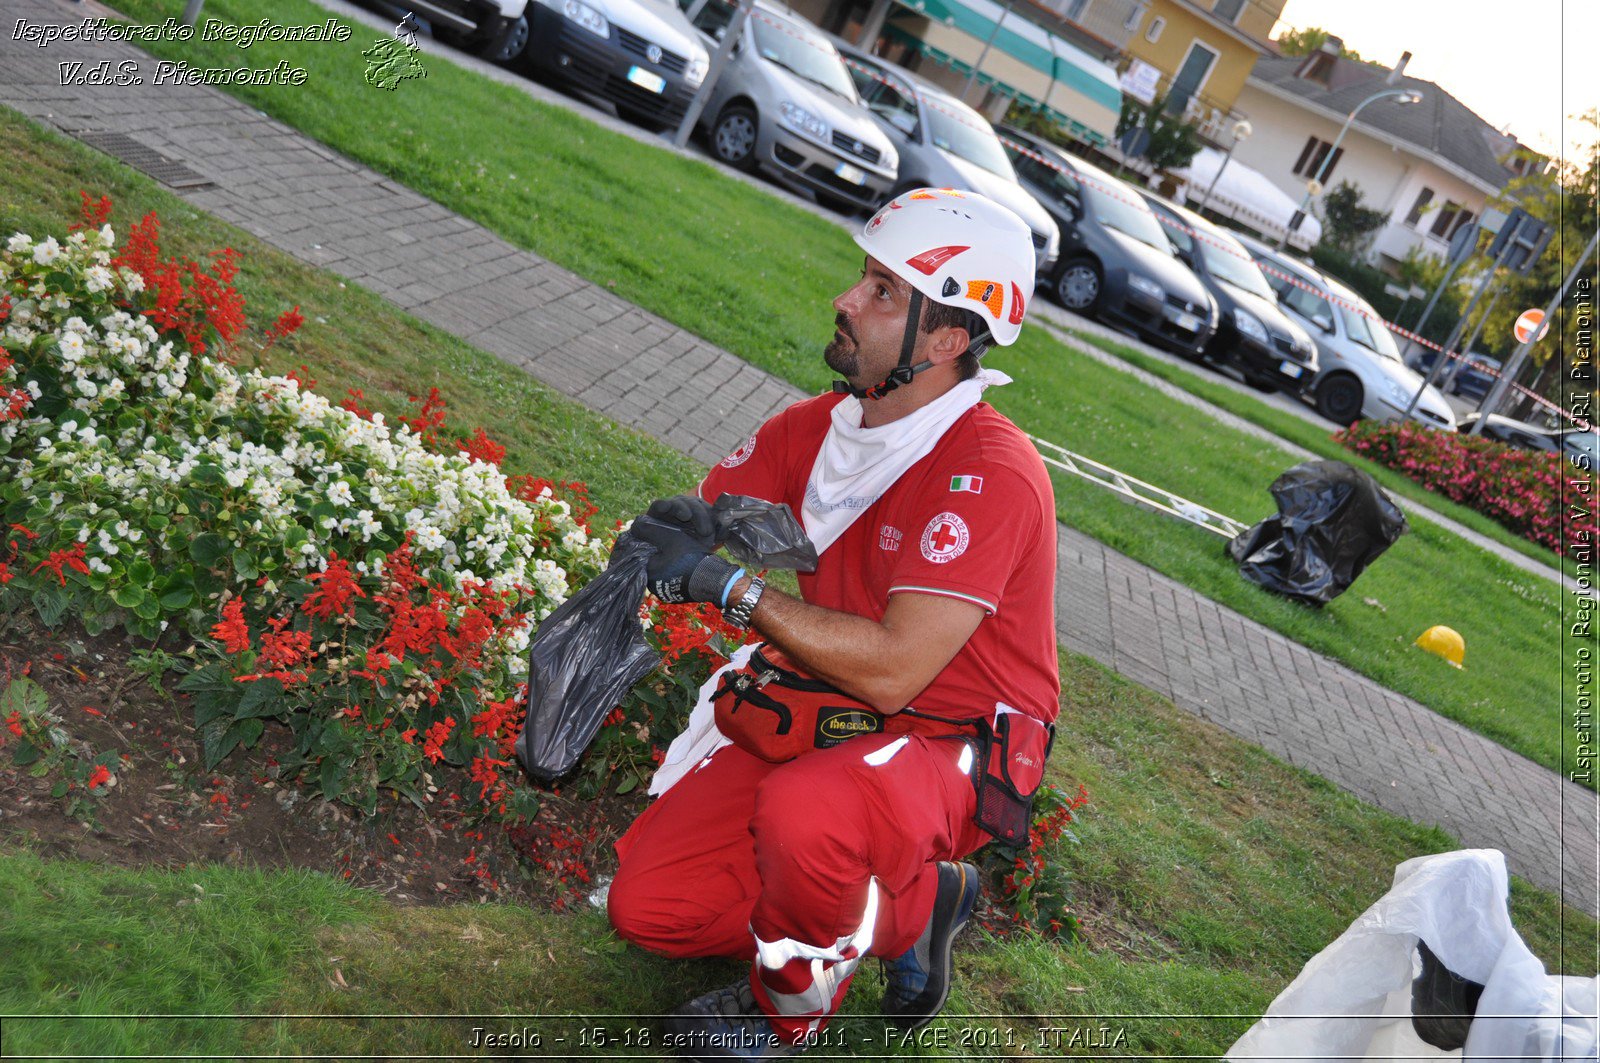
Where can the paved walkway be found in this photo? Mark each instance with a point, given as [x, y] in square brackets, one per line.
[581, 340]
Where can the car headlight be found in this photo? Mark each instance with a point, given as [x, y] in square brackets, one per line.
[588, 17]
[1248, 325]
[696, 72]
[803, 121]
[1139, 282]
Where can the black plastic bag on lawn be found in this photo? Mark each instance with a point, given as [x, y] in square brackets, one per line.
[1333, 521]
[591, 650]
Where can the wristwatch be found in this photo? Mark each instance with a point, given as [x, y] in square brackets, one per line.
[739, 615]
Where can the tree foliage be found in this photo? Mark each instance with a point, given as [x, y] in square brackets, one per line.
[1173, 143]
[1308, 40]
[1346, 224]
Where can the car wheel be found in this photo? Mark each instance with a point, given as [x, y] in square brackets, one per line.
[510, 43]
[733, 138]
[1339, 399]
[1078, 285]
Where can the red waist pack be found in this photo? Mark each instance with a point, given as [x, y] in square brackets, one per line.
[1014, 751]
[769, 709]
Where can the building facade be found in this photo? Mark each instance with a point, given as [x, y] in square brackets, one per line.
[1431, 166]
[1198, 54]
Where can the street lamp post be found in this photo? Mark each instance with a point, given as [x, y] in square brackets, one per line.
[1241, 130]
[1314, 186]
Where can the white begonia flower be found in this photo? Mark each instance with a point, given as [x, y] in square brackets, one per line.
[339, 494]
[88, 388]
[107, 235]
[46, 253]
[19, 243]
[97, 279]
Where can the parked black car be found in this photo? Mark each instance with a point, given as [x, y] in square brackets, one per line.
[641, 56]
[1253, 333]
[1473, 380]
[1115, 263]
[1580, 445]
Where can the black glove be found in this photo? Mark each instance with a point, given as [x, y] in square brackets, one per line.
[689, 512]
[683, 568]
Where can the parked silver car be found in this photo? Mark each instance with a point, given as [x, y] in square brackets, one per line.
[943, 143]
[786, 105]
[1361, 373]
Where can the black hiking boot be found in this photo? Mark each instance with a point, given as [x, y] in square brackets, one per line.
[919, 980]
[727, 1024]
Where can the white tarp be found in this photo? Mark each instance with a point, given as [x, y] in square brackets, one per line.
[1352, 1002]
[1247, 196]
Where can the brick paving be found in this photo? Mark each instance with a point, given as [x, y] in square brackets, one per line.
[642, 371]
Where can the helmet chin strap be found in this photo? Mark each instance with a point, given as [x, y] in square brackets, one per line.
[905, 371]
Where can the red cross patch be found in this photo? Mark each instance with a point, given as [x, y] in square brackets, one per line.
[945, 538]
[742, 455]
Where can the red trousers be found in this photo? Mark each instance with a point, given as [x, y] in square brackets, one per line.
[796, 856]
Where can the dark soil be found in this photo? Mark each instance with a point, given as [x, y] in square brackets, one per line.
[165, 811]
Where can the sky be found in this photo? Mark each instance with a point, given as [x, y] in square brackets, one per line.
[1527, 65]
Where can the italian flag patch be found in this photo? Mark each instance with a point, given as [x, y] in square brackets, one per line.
[967, 483]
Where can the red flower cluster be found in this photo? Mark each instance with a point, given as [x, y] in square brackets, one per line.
[289, 321]
[336, 590]
[99, 776]
[233, 632]
[353, 404]
[94, 212]
[429, 418]
[481, 448]
[14, 402]
[189, 299]
[62, 559]
[1519, 488]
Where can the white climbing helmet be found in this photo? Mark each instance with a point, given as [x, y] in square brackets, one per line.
[960, 249]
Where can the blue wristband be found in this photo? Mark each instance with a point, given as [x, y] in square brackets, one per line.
[729, 586]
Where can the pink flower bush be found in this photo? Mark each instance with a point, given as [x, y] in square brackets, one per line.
[1534, 494]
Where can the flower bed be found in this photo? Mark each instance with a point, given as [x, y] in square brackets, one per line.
[370, 586]
[1519, 488]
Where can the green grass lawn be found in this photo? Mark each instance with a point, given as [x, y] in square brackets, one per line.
[1207, 871]
[755, 275]
[1319, 441]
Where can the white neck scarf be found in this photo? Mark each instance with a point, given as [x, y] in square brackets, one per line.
[856, 465]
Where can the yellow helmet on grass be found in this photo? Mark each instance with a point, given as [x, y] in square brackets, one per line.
[1444, 641]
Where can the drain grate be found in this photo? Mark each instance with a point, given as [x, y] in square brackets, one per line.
[169, 172]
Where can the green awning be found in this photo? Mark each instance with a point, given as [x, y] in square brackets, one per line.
[1074, 126]
[1028, 43]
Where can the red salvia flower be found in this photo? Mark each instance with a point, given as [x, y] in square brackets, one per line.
[233, 632]
[284, 649]
[433, 742]
[481, 448]
[63, 559]
[336, 590]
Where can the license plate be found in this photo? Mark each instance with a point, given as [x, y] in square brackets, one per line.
[1188, 322]
[854, 174]
[1292, 370]
[646, 80]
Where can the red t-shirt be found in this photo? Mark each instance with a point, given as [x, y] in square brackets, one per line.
[974, 519]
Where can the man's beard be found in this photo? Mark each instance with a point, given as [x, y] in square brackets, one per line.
[843, 356]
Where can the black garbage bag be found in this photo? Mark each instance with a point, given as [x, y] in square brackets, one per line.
[591, 650]
[1443, 1004]
[1333, 521]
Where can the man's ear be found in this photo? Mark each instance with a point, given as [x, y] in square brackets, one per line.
[945, 345]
